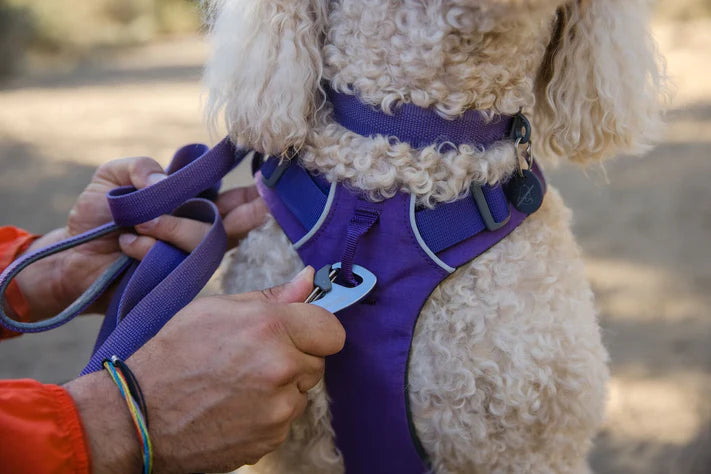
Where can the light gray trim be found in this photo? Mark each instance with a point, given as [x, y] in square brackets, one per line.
[321, 218]
[415, 230]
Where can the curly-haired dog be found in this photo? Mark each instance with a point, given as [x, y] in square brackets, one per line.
[507, 370]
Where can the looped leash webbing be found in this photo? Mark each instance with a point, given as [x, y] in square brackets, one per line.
[363, 219]
[151, 291]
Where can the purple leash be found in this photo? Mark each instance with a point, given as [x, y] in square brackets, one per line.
[153, 290]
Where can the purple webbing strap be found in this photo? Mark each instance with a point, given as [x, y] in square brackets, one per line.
[450, 223]
[418, 126]
[153, 290]
[164, 282]
[298, 188]
[363, 219]
[201, 169]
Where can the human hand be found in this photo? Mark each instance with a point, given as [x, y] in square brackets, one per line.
[223, 380]
[53, 283]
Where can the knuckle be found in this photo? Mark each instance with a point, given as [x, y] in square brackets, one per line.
[319, 367]
[254, 458]
[270, 326]
[201, 307]
[270, 293]
[281, 436]
[169, 225]
[280, 373]
[281, 415]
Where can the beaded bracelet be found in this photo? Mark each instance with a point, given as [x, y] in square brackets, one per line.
[131, 391]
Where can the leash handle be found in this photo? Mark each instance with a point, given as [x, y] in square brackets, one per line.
[81, 303]
[153, 290]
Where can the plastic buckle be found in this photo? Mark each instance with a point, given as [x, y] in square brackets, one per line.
[334, 297]
[483, 207]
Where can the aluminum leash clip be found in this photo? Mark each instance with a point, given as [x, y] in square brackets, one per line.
[334, 297]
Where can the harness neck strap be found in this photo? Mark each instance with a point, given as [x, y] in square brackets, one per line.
[418, 126]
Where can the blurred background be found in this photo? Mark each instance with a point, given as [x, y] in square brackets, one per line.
[84, 82]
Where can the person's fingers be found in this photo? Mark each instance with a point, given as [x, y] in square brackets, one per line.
[313, 330]
[233, 198]
[136, 246]
[136, 171]
[245, 217]
[300, 405]
[295, 291]
[313, 369]
[145, 171]
[184, 233]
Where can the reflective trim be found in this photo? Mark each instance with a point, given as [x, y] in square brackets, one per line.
[415, 230]
[322, 217]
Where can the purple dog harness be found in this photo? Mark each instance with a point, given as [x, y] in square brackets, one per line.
[409, 250]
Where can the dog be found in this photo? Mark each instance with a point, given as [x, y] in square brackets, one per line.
[507, 370]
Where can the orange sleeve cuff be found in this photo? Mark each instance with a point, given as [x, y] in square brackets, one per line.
[40, 430]
[13, 242]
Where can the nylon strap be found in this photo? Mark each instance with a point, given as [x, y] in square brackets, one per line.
[152, 291]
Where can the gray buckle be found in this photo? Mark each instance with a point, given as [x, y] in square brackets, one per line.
[484, 210]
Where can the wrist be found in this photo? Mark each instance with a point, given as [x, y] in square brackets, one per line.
[113, 443]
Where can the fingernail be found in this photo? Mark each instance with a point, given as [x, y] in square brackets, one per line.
[148, 224]
[304, 271]
[127, 239]
[154, 178]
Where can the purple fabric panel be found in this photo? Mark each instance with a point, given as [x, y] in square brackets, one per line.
[418, 126]
[367, 380]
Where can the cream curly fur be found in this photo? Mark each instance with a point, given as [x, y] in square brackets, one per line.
[508, 371]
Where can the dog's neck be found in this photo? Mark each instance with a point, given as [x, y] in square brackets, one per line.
[439, 54]
[433, 54]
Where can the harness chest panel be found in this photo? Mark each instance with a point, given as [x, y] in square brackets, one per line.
[367, 381]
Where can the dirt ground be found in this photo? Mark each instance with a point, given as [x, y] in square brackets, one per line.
[644, 229]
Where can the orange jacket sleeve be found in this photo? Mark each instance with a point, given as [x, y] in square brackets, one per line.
[13, 241]
[40, 428]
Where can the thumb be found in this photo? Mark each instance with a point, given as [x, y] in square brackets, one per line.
[144, 171]
[295, 291]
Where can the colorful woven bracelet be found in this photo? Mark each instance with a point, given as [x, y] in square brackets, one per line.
[118, 372]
